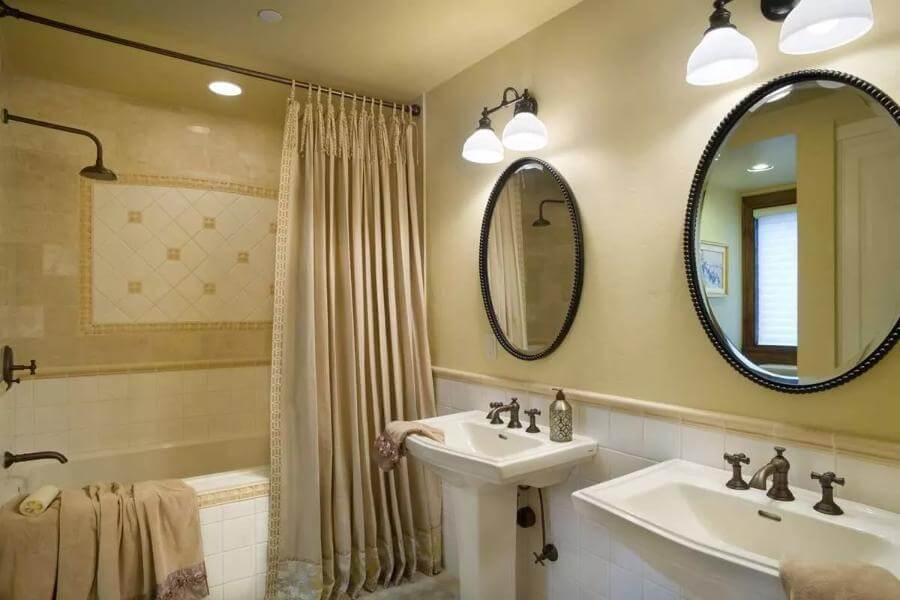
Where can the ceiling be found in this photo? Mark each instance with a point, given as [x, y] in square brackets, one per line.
[394, 49]
[730, 169]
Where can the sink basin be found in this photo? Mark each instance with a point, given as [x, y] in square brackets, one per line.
[683, 521]
[476, 453]
[481, 466]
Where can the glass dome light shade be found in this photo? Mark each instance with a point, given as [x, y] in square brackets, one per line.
[819, 25]
[525, 132]
[483, 147]
[723, 55]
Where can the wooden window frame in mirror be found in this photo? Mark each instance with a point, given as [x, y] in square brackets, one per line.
[778, 355]
[691, 235]
[578, 274]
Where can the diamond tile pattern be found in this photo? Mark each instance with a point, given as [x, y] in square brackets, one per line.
[185, 243]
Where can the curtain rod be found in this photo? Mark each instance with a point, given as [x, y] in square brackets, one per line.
[8, 11]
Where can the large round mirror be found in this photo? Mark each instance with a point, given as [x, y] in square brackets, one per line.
[791, 242]
[531, 259]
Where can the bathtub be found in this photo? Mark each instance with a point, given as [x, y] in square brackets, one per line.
[210, 467]
[231, 478]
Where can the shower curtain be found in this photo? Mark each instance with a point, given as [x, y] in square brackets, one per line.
[350, 353]
[506, 264]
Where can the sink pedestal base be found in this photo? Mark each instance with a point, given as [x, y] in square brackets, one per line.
[485, 540]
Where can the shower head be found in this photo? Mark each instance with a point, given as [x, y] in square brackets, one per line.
[94, 171]
[541, 221]
[98, 172]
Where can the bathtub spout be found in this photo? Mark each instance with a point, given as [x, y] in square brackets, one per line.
[9, 459]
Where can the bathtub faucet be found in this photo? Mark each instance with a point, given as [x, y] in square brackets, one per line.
[9, 459]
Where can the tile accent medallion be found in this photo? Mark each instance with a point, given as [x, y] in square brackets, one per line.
[158, 253]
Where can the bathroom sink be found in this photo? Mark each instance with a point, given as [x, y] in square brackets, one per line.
[683, 520]
[475, 452]
[482, 466]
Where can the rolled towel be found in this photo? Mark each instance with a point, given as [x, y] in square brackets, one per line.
[38, 501]
[389, 445]
[804, 580]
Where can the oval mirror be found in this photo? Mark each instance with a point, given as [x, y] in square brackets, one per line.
[531, 259]
[791, 241]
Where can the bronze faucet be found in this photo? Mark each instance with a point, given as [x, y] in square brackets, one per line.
[778, 468]
[9, 459]
[512, 408]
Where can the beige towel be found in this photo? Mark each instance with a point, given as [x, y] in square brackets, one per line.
[389, 445]
[28, 552]
[139, 542]
[844, 581]
[37, 502]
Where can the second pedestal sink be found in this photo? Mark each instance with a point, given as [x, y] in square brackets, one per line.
[483, 464]
[721, 543]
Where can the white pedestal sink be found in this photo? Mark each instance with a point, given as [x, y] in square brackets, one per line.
[721, 543]
[482, 464]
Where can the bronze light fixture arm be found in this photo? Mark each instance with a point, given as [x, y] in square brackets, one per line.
[523, 101]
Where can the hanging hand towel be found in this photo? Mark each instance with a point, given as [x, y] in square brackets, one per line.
[389, 445]
[824, 581]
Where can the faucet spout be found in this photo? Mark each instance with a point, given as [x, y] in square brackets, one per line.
[777, 469]
[9, 459]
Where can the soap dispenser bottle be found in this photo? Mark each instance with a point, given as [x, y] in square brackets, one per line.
[560, 418]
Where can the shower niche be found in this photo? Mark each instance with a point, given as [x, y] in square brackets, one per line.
[531, 259]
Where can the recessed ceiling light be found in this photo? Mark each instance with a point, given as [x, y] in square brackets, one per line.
[268, 15]
[225, 88]
[760, 168]
[198, 129]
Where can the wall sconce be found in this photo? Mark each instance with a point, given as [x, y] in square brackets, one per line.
[725, 55]
[524, 133]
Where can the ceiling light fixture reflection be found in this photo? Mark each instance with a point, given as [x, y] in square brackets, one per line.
[524, 133]
[779, 94]
[202, 129]
[269, 15]
[225, 88]
[761, 168]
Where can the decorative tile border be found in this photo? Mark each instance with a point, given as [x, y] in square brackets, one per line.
[244, 492]
[819, 439]
[86, 251]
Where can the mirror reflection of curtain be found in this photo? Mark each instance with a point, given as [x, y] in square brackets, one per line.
[349, 354]
[506, 265]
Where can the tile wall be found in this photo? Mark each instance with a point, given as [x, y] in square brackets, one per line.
[593, 563]
[235, 539]
[83, 414]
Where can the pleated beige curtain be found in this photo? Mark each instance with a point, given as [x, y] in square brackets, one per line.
[350, 353]
[506, 264]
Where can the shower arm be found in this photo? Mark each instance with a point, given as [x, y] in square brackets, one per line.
[6, 117]
[543, 202]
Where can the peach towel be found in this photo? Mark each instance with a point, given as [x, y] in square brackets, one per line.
[390, 444]
[849, 581]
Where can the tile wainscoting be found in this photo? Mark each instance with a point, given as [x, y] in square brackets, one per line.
[95, 413]
[235, 537]
[593, 563]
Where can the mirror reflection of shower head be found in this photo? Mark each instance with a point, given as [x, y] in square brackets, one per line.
[541, 221]
[94, 171]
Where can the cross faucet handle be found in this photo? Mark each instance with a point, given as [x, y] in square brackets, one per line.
[492, 406]
[827, 504]
[826, 479]
[532, 415]
[737, 479]
[737, 459]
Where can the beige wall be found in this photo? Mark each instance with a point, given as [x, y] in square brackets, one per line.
[39, 198]
[627, 132]
[721, 223]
